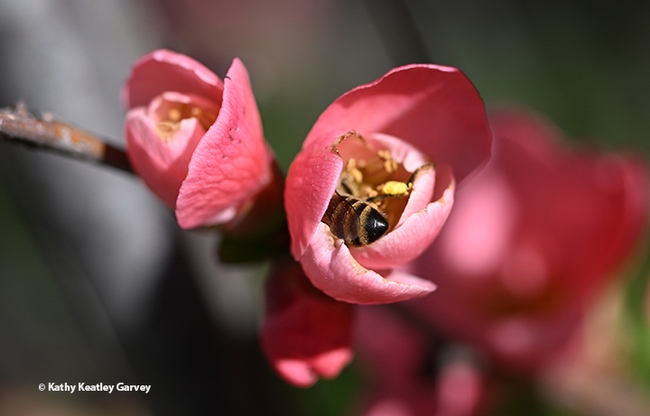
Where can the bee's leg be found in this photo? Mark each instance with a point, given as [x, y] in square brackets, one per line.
[415, 173]
[381, 197]
[348, 185]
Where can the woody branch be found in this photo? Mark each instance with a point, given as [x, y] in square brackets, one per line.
[18, 124]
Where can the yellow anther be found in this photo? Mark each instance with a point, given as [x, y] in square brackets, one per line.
[384, 154]
[394, 188]
[174, 115]
[357, 175]
[166, 130]
[390, 165]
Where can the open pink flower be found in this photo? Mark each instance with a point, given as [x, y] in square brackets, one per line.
[305, 334]
[400, 142]
[195, 140]
[531, 240]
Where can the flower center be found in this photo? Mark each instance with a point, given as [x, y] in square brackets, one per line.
[372, 192]
[170, 109]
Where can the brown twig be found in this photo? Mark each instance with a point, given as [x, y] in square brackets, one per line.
[20, 126]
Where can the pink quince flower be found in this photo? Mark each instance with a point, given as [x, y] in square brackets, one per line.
[420, 127]
[400, 358]
[532, 240]
[196, 140]
[305, 334]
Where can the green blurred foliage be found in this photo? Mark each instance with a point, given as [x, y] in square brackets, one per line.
[583, 64]
[637, 314]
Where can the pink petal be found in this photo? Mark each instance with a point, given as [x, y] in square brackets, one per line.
[303, 373]
[310, 183]
[164, 70]
[331, 268]
[305, 334]
[162, 166]
[460, 390]
[435, 108]
[391, 347]
[480, 227]
[231, 163]
[402, 151]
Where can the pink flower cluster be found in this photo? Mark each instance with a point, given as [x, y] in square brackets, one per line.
[531, 239]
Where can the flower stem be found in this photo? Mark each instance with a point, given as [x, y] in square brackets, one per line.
[20, 126]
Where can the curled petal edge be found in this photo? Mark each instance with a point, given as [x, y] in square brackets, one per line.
[327, 256]
[306, 372]
[164, 70]
[436, 108]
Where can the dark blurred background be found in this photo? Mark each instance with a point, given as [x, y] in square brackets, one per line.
[97, 284]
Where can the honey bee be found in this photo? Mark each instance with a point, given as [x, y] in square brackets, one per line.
[356, 221]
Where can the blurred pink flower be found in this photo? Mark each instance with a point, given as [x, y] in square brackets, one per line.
[305, 334]
[370, 138]
[196, 141]
[406, 379]
[532, 239]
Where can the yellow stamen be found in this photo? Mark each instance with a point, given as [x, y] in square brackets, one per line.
[354, 171]
[394, 188]
[390, 165]
[166, 130]
[174, 115]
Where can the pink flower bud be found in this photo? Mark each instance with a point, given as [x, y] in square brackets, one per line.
[195, 140]
[398, 145]
[305, 334]
[532, 239]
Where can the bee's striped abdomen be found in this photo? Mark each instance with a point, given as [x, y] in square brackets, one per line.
[356, 221]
